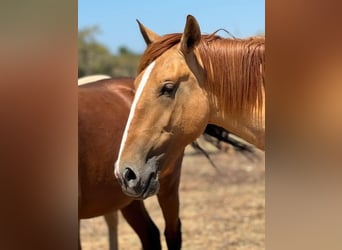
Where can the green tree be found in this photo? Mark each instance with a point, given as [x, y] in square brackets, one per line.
[96, 58]
[126, 62]
[93, 57]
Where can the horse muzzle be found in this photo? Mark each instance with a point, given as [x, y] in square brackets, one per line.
[142, 182]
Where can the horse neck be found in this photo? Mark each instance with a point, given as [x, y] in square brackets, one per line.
[248, 127]
[247, 123]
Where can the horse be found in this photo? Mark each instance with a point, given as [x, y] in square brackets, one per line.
[186, 81]
[111, 219]
[103, 108]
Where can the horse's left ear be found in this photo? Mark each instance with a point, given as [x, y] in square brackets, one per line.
[191, 35]
[148, 35]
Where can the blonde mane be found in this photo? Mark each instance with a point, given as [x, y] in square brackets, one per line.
[233, 69]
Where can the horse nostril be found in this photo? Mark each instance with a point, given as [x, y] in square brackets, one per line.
[129, 174]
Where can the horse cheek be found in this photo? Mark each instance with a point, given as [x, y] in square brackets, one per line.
[197, 117]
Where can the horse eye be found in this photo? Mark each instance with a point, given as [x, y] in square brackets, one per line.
[168, 89]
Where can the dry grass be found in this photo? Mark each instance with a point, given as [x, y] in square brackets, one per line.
[222, 210]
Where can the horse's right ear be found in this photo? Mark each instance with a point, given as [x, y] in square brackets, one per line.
[148, 35]
[191, 35]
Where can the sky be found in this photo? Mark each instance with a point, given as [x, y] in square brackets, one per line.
[116, 19]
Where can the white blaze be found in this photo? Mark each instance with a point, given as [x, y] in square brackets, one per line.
[131, 113]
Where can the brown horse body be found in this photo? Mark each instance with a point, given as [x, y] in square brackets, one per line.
[103, 110]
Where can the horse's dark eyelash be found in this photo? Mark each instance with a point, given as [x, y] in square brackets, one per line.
[165, 91]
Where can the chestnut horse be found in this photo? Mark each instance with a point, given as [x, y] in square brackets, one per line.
[186, 81]
[103, 108]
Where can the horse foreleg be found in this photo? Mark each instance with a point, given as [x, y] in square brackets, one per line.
[112, 223]
[168, 198]
[138, 218]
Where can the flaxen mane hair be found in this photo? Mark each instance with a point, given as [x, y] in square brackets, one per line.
[233, 69]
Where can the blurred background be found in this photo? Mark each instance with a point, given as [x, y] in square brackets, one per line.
[109, 41]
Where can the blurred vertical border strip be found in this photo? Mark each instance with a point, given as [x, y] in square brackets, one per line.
[304, 123]
[38, 113]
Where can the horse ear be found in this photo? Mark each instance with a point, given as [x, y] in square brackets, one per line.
[191, 35]
[148, 35]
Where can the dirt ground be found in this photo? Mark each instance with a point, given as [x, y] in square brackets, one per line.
[219, 210]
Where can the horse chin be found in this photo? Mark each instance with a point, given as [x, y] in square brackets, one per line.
[152, 188]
